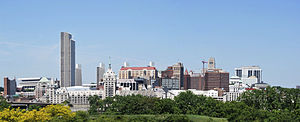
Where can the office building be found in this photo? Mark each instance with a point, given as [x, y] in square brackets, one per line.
[170, 83]
[109, 81]
[196, 81]
[10, 87]
[67, 73]
[297, 87]
[216, 79]
[248, 72]
[100, 73]
[76, 95]
[186, 80]
[78, 75]
[175, 72]
[35, 87]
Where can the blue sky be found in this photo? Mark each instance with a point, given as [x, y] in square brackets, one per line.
[237, 33]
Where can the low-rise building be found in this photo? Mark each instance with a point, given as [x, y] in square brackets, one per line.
[76, 95]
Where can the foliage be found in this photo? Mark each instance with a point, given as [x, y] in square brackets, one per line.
[3, 103]
[143, 118]
[82, 116]
[48, 113]
[32, 107]
[271, 104]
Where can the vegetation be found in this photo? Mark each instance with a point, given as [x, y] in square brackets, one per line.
[48, 113]
[272, 104]
[1, 89]
[155, 118]
[3, 103]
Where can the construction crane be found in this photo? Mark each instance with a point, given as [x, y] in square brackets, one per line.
[203, 62]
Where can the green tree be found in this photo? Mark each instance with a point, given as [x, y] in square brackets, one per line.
[32, 107]
[166, 106]
[82, 116]
[3, 103]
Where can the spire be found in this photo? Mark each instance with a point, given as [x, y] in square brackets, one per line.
[109, 67]
[186, 72]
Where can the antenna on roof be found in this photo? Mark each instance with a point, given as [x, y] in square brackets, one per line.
[109, 67]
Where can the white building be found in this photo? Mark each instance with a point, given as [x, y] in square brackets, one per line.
[249, 72]
[76, 95]
[33, 87]
[210, 93]
[109, 80]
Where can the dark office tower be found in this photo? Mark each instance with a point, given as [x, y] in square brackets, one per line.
[9, 87]
[67, 73]
[216, 79]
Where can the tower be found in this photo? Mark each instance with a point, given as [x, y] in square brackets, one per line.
[100, 73]
[211, 63]
[78, 75]
[67, 72]
[109, 80]
[9, 87]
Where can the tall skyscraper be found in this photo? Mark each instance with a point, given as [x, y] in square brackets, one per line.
[78, 75]
[100, 73]
[9, 87]
[67, 73]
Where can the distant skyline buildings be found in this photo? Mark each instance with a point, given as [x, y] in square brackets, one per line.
[100, 73]
[67, 72]
[78, 75]
[236, 33]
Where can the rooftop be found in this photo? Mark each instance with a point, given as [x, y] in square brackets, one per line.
[138, 68]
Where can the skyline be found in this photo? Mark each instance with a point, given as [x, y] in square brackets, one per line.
[29, 39]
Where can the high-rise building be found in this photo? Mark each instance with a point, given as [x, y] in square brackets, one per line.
[297, 87]
[78, 75]
[193, 81]
[211, 63]
[110, 81]
[176, 71]
[100, 73]
[216, 79]
[10, 87]
[67, 72]
[249, 72]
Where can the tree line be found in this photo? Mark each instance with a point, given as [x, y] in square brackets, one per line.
[271, 104]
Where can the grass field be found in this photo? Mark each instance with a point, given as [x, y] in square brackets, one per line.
[154, 118]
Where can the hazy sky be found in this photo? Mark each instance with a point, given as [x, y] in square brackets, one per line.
[237, 33]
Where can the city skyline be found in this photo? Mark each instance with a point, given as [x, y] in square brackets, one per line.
[268, 39]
